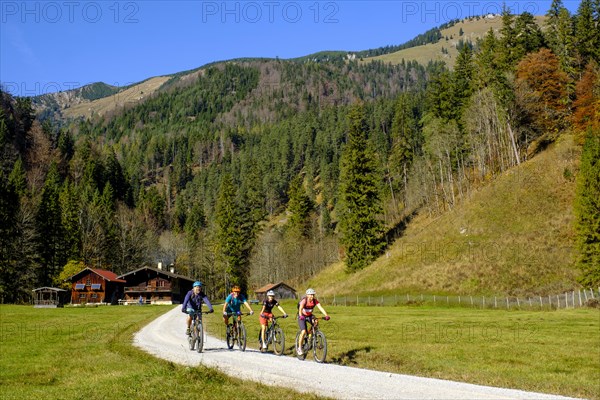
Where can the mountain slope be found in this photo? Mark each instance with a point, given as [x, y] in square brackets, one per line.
[472, 29]
[516, 232]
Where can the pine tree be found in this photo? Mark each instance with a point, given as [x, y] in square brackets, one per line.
[529, 35]
[299, 208]
[587, 33]
[51, 244]
[359, 196]
[464, 71]
[587, 208]
[552, 17]
[230, 235]
[508, 41]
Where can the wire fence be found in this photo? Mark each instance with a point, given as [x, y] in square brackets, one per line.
[573, 299]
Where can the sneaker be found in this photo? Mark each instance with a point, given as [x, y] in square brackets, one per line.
[300, 352]
[264, 346]
[188, 332]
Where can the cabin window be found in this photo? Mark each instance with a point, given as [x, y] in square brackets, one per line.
[88, 282]
[82, 295]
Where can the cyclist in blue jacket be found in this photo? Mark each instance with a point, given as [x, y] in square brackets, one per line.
[193, 303]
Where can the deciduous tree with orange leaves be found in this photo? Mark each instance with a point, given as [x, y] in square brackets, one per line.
[586, 108]
[541, 93]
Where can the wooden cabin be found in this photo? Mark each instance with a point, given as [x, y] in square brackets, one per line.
[281, 289]
[149, 285]
[96, 286]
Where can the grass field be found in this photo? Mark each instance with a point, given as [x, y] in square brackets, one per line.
[554, 352]
[86, 353]
[77, 353]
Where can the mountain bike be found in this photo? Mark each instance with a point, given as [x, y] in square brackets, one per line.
[236, 331]
[196, 337]
[315, 340]
[273, 335]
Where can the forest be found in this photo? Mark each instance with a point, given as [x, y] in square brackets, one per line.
[268, 170]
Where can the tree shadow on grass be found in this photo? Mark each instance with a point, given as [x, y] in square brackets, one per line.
[349, 357]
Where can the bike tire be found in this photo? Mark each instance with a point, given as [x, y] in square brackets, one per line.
[320, 347]
[229, 337]
[192, 341]
[242, 336]
[303, 356]
[278, 340]
[199, 338]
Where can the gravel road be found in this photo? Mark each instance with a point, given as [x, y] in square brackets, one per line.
[165, 338]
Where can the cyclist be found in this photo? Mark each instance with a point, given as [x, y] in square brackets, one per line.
[233, 303]
[266, 313]
[305, 314]
[193, 303]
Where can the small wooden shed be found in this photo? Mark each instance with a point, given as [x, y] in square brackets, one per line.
[281, 289]
[48, 297]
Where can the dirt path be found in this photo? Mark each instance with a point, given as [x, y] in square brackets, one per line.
[164, 338]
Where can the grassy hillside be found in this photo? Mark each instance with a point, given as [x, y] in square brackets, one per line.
[472, 30]
[104, 105]
[514, 236]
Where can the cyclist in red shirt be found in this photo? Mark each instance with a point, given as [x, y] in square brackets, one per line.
[266, 313]
[305, 314]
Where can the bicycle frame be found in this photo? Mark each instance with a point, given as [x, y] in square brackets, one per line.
[196, 339]
[313, 339]
[236, 331]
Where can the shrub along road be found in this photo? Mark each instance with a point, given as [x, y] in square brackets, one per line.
[164, 338]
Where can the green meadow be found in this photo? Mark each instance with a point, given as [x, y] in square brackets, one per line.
[554, 352]
[76, 353]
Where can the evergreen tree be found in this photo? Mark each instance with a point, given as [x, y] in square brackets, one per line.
[232, 248]
[9, 208]
[359, 196]
[587, 208]
[299, 208]
[464, 71]
[18, 178]
[529, 35]
[552, 17]
[587, 33]
[51, 243]
[508, 41]
[70, 212]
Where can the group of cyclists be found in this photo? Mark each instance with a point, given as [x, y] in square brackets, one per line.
[234, 301]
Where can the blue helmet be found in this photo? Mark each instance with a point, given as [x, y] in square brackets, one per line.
[197, 283]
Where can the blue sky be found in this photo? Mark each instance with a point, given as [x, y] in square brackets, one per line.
[46, 46]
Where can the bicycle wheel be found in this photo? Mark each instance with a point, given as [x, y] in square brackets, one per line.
[320, 347]
[242, 336]
[304, 346]
[278, 341]
[192, 339]
[229, 336]
[199, 337]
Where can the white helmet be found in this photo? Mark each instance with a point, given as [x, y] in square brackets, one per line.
[310, 291]
[270, 293]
